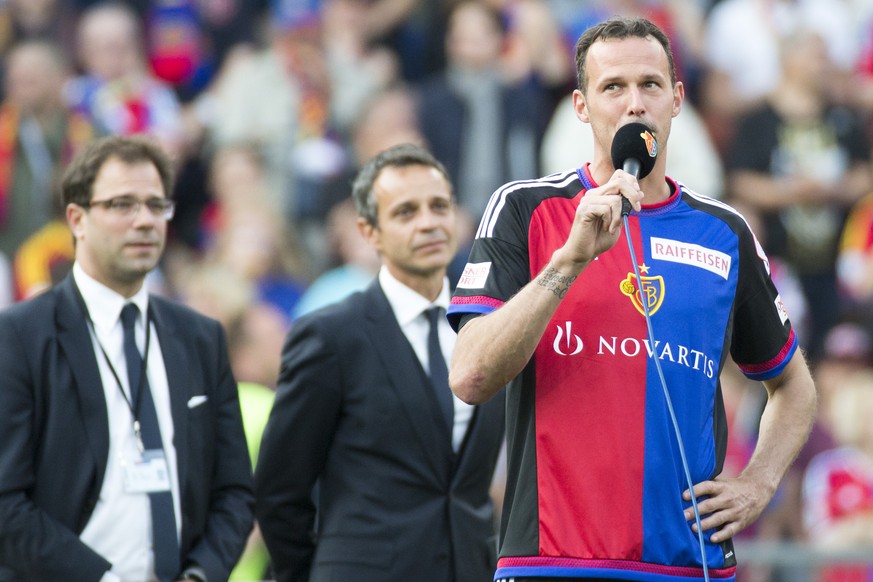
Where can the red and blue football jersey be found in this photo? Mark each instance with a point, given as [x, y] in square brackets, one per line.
[595, 476]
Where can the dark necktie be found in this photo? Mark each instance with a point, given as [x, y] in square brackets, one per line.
[439, 374]
[164, 538]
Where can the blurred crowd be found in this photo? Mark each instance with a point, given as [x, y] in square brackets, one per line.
[269, 107]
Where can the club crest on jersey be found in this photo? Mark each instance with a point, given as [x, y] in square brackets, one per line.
[651, 144]
[651, 290]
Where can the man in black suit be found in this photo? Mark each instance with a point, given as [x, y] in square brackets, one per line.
[363, 408]
[122, 454]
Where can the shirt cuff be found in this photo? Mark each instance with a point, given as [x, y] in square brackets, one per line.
[194, 573]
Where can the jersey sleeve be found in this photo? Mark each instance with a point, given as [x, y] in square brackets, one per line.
[763, 340]
[498, 266]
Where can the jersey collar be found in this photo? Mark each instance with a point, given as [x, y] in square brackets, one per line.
[588, 182]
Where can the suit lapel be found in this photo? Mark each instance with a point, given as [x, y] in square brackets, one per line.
[74, 338]
[407, 379]
[173, 353]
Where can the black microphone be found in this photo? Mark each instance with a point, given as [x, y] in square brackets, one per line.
[634, 150]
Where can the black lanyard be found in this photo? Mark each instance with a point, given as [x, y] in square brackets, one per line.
[134, 405]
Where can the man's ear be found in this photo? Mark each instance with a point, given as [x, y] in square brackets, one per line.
[75, 216]
[369, 232]
[580, 105]
[678, 97]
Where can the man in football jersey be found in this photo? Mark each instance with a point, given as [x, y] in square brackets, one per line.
[553, 305]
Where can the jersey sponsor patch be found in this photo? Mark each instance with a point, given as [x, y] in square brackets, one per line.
[691, 254]
[474, 275]
[781, 309]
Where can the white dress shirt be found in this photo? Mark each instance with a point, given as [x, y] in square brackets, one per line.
[120, 527]
[409, 309]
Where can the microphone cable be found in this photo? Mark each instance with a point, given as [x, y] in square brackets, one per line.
[648, 316]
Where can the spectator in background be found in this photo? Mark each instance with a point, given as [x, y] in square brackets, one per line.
[176, 47]
[289, 82]
[117, 90]
[801, 162]
[838, 483]
[413, 29]
[358, 70]
[389, 118]
[257, 245]
[743, 48]
[848, 351]
[238, 180]
[38, 136]
[188, 40]
[244, 230]
[297, 84]
[48, 20]
[535, 49]
[213, 289]
[855, 260]
[485, 130]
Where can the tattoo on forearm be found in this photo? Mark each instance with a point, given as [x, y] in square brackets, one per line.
[555, 282]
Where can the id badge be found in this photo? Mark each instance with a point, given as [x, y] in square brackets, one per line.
[148, 474]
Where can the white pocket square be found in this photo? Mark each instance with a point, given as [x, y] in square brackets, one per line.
[196, 401]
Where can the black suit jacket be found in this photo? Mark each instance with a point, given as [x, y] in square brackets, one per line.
[354, 411]
[54, 439]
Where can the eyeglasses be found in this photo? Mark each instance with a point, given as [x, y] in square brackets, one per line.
[128, 206]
